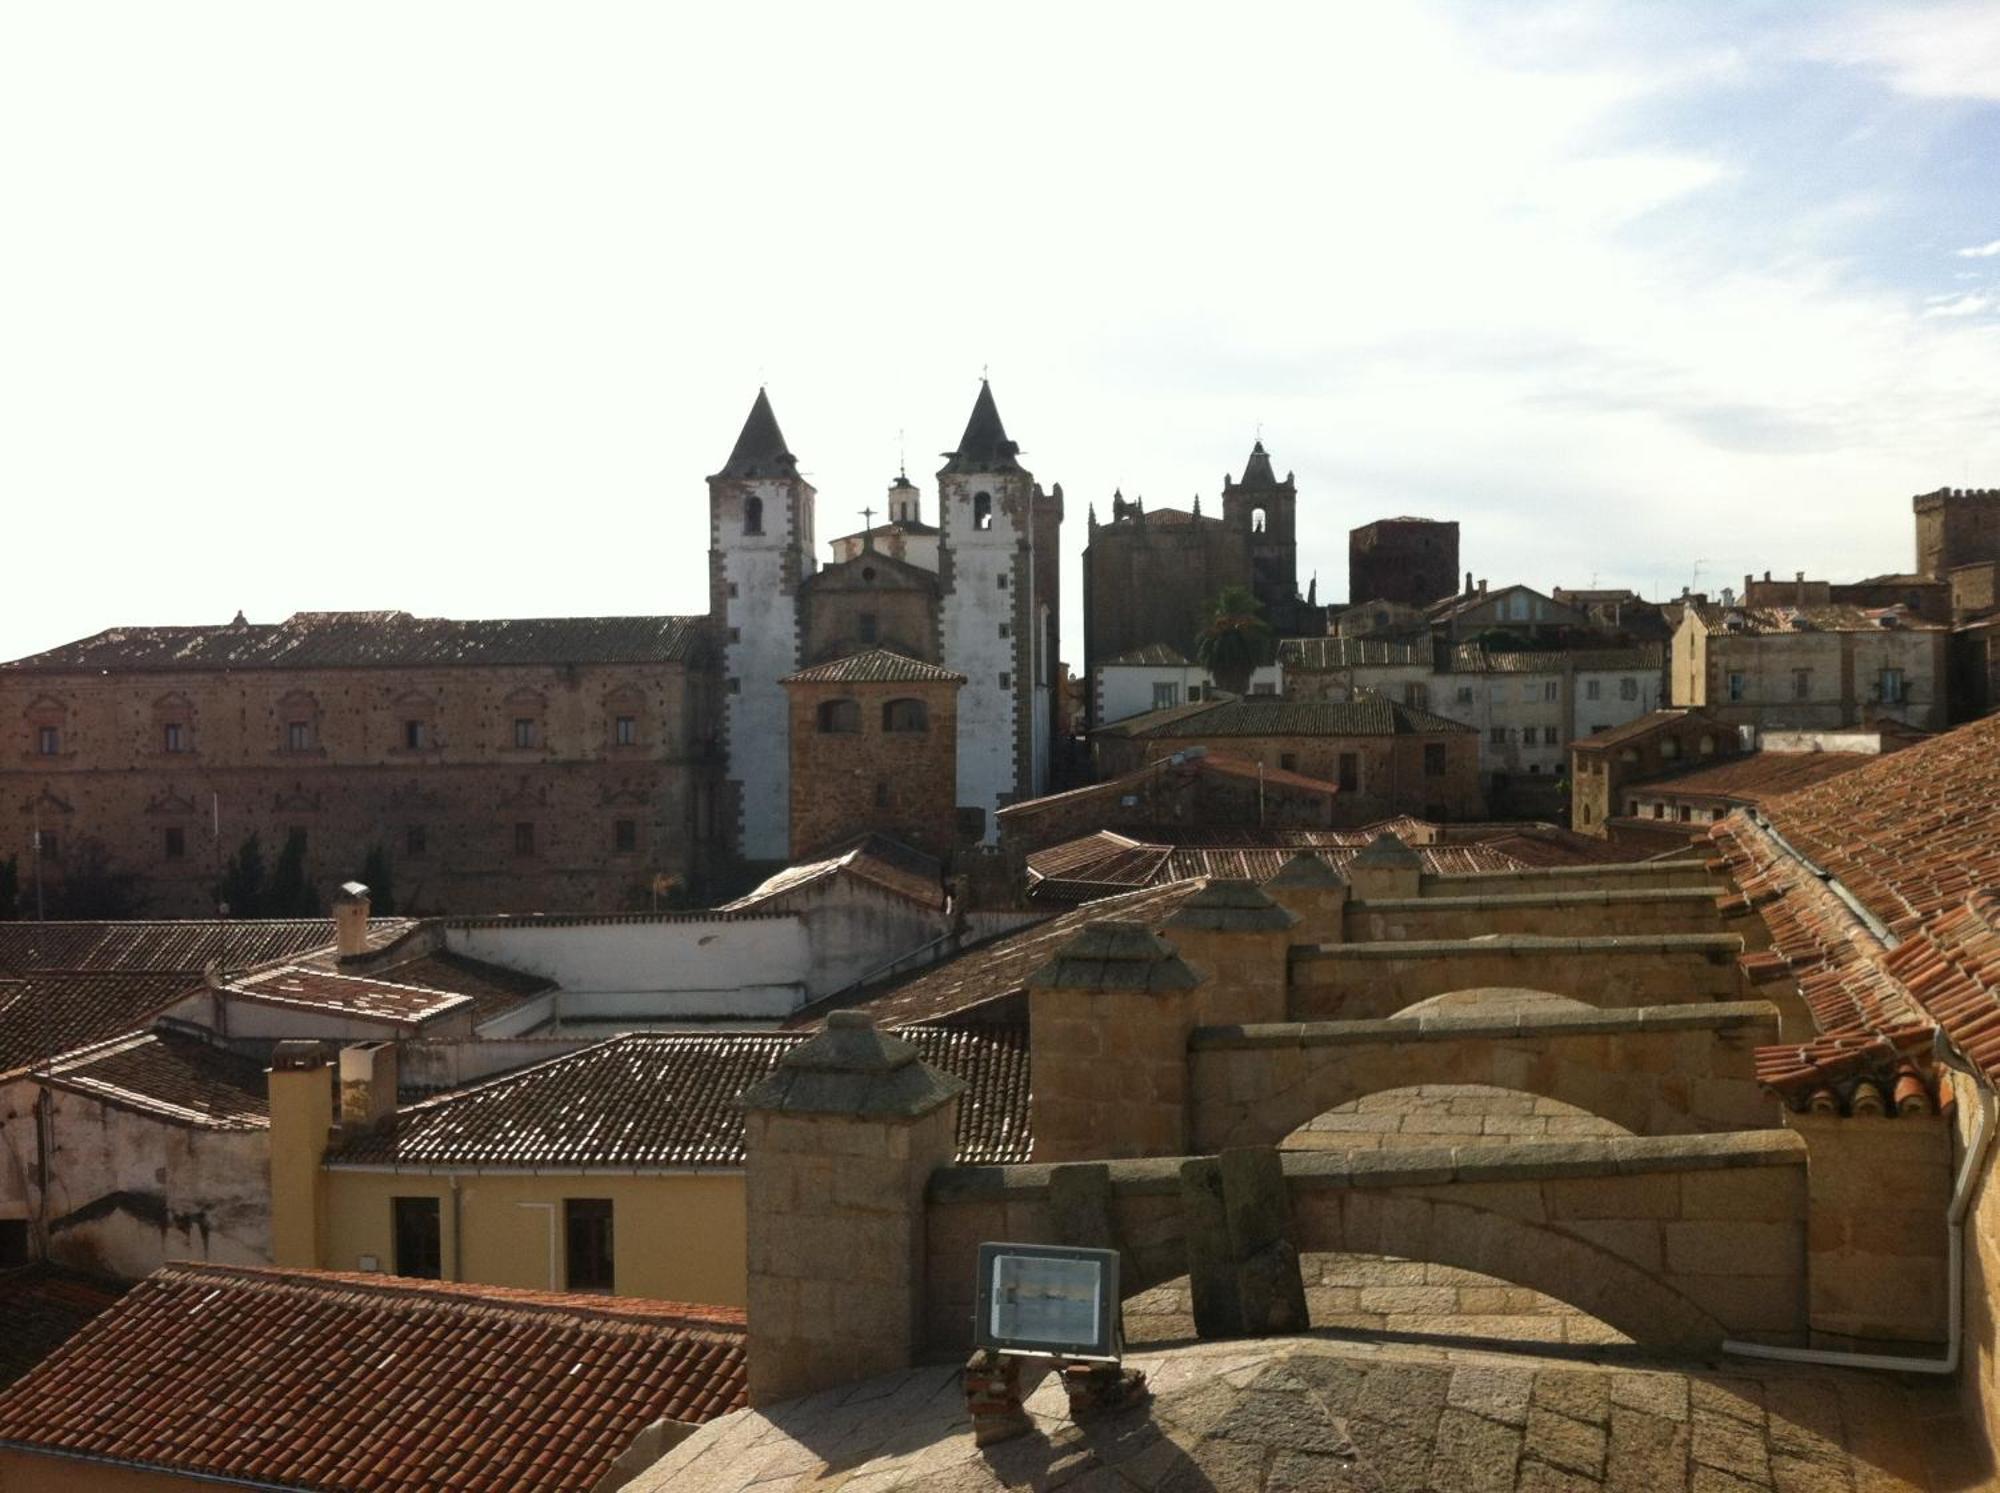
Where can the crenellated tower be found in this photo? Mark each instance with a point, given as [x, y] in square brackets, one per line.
[760, 513]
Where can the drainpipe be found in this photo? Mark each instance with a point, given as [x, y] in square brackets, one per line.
[1961, 1201]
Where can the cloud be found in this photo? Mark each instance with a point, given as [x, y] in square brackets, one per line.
[1970, 304]
[1981, 251]
[1937, 51]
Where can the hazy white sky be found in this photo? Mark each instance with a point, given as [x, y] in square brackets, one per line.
[451, 307]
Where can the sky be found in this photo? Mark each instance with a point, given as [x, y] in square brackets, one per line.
[450, 308]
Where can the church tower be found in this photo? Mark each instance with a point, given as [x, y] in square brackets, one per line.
[1264, 511]
[995, 622]
[760, 516]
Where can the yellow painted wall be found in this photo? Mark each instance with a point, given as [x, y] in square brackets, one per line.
[675, 1237]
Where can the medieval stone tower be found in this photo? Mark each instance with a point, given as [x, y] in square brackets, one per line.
[760, 519]
[982, 604]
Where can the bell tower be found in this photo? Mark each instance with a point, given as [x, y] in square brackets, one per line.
[760, 515]
[1264, 511]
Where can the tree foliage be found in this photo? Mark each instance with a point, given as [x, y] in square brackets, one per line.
[93, 886]
[1235, 640]
[10, 887]
[379, 876]
[241, 889]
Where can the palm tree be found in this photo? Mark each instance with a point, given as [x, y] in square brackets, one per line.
[1234, 640]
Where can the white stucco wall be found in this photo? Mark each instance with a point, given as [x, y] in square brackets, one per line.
[760, 647]
[720, 964]
[1127, 689]
[972, 613]
[1611, 709]
[127, 1192]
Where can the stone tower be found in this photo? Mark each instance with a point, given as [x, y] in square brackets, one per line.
[760, 515]
[1264, 512]
[1956, 527]
[988, 506]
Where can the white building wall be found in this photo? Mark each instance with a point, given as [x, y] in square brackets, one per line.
[975, 608]
[760, 646]
[128, 1192]
[1612, 706]
[1127, 689]
[711, 958]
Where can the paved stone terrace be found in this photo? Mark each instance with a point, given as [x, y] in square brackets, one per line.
[1312, 1413]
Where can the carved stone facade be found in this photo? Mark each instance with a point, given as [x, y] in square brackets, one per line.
[500, 766]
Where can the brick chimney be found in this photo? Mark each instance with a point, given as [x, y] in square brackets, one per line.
[350, 920]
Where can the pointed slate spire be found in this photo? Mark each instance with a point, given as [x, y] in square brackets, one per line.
[984, 447]
[1257, 471]
[760, 450]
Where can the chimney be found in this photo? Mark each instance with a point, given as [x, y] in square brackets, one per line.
[1748, 581]
[1468, 583]
[350, 920]
[1800, 578]
[1482, 585]
[367, 1085]
[301, 1090]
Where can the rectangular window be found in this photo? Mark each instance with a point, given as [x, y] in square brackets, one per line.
[413, 735]
[1590, 689]
[587, 1240]
[1686, 813]
[1801, 684]
[625, 730]
[173, 737]
[46, 842]
[1288, 761]
[1265, 688]
[1006, 681]
[14, 1243]
[1006, 629]
[1166, 696]
[1465, 694]
[1498, 736]
[1417, 694]
[524, 731]
[1550, 688]
[1628, 689]
[1434, 761]
[175, 844]
[48, 740]
[416, 840]
[419, 1240]
[1892, 686]
[524, 839]
[1000, 580]
[298, 736]
[864, 626]
[735, 686]
[1350, 772]
[1529, 691]
[1552, 736]
[625, 835]
[1735, 686]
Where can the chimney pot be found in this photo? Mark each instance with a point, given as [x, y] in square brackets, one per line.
[350, 920]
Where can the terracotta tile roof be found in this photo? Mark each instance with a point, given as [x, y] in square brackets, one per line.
[45, 1015]
[368, 1382]
[1828, 617]
[1196, 760]
[1543, 845]
[1476, 658]
[1158, 655]
[1104, 864]
[44, 1306]
[1368, 716]
[1634, 730]
[184, 946]
[877, 859]
[668, 1100]
[1753, 777]
[378, 640]
[368, 997]
[493, 989]
[1915, 839]
[998, 968]
[876, 666]
[171, 1075]
[1313, 655]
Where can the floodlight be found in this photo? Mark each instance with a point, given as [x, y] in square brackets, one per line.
[1049, 1300]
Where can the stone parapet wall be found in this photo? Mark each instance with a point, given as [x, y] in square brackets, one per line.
[1658, 1070]
[1552, 914]
[1633, 877]
[1374, 980]
[1677, 1241]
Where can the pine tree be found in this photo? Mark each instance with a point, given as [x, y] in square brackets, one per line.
[380, 879]
[10, 887]
[242, 889]
[291, 894]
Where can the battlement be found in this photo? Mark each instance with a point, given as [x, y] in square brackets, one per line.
[1929, 502]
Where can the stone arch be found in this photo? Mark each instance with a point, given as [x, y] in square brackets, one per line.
[840, 716]
[753, 515]
[905, 715]
[1295, 1093]
[1544, 1257]
[1446, 1115]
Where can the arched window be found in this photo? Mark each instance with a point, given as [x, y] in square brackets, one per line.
[1256, 520]
[753, 515]
[840, 716]
[982, 510]
[905, 715]
[1707, 745]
